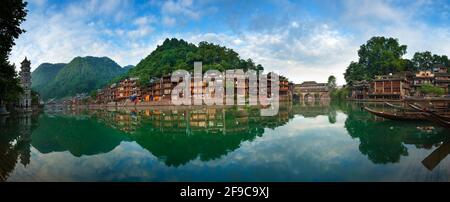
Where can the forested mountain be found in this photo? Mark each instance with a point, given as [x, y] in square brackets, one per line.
[127, 68]
[81, 75]
[176, 54]
[85, 74]
[44, 74]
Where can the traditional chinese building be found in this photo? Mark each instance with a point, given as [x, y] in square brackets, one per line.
[25, 82]
[420, 78]
[442, 78]
[311, 90]
[160, 89]
[128, 89]
[359, 90]
[389, 87]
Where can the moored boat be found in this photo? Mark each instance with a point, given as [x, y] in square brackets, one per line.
[445, 124]
[432, 113]
[395, 106]
[441, 120]
[402, 116]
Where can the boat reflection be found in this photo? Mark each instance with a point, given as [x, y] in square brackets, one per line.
[385, 141]
[177, 136]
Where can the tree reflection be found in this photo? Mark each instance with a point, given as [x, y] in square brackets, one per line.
[384, 141]
[79, 136]
[176, 136]
[179, 136]
[15, 142]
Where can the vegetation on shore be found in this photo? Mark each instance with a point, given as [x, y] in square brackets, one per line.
[339, 94]
[381, 56]
[428, 89]
[177, 54]
[12, 14]
[335, 92]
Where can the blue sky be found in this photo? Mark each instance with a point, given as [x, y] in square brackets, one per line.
[305, 40]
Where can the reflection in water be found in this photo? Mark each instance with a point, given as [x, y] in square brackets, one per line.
[437, 156]
[179, 136]
[79, 136]
[384, 141]
[15, 142]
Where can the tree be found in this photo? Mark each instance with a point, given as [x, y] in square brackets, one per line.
[422, 60]
[12, 14]
[381, 55]
[429, 89]
[175, 54]
[426, 60]
[378, 56]
[355, 72]
[331, 84]
[441, 60]
[339, 94]
[409, 65]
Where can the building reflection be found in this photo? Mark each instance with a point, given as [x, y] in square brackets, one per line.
[15, 142]
[177, 136]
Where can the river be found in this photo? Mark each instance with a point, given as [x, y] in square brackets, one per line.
[318, 141]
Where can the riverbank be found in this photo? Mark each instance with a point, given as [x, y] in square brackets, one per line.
[158, 105]
[373, 100]
[412, 98]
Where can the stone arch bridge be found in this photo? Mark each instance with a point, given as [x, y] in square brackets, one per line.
[311, 90]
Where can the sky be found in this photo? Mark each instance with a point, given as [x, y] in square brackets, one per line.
[303, 40]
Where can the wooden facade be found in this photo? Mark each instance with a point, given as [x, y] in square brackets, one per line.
[160, 89]
[360, 90]
[389, 87]
[442, 78]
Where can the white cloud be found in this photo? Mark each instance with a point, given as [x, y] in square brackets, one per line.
[310, 56]
[381, 18]
[140, 32]
[301, 48]
[169, 21]
[38, 3]
[180, 9]
[183, 7]
[73, 31]
[145, 20]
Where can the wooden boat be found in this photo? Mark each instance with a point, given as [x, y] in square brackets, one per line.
[403, 116]
[394, 106]
[441, 120]
[445, 124]
[432, 113]
[438, 104]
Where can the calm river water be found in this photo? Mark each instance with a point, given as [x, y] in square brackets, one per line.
[319, 141]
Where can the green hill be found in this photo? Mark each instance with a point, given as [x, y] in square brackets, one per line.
[176, 54]
[82, 74]
[44, 74]
[127, 68]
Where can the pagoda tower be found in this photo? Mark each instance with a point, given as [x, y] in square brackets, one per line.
[25, 83]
